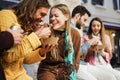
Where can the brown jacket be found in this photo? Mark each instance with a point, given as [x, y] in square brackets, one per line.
[54, 63]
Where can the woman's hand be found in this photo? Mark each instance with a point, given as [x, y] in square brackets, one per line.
[93, 41]
[46, 49]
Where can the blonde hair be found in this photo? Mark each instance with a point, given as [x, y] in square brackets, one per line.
[65, 10]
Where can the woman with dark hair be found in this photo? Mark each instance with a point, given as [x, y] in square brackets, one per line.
[98, 56]
[62, 62]
[96, 29]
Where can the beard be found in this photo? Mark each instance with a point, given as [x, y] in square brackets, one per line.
[37, 20]
[78, 24]
[34, 21]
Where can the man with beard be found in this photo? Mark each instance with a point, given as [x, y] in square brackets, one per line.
[79, 17]
[26, 15]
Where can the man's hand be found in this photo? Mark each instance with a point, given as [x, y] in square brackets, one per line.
[17, 35]
[43, 32]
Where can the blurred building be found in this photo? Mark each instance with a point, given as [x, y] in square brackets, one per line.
[8, 3]
[70, 3]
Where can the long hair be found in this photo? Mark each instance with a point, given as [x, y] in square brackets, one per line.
[65, 10]
[68, 47]
[26, 9]
[102, 33]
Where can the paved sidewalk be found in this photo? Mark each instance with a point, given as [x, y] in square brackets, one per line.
[32, 70]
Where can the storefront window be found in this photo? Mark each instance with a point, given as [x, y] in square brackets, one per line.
[83, 1]
[98, 2]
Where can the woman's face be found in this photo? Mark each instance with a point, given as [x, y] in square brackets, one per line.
[96, 27]
[57, 19]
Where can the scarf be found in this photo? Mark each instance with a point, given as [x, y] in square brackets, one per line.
[69, 57]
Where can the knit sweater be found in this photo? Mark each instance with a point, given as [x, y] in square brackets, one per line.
[13, 61]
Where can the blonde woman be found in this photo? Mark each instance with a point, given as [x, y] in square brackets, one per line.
[63, 61]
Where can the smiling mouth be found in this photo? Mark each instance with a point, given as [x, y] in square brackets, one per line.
[54, 24]
[41, 23]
